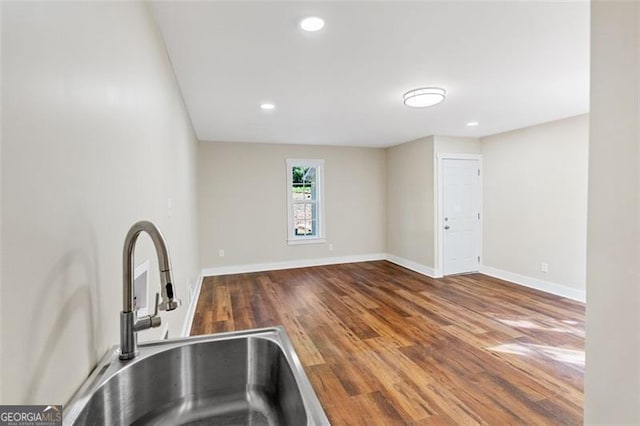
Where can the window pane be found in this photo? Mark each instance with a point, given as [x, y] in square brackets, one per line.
[303, 227]
[298, 174]
[304, 183]
[305, 219]
[298, 192]
[298, 212]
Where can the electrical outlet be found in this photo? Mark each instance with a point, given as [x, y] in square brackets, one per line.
[544, 267]
[221, 252]
[330, 247]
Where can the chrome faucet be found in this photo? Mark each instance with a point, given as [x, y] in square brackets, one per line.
[129, 324]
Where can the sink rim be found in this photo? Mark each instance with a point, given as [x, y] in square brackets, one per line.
[110, 365]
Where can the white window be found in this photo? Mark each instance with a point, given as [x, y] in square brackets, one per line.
[304, 201]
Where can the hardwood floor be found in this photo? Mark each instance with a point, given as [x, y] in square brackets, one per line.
[383, 345]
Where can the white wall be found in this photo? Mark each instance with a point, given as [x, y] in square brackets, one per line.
[535, 201]
[612, 377]
[243, 203]
[409, 201]
[0, 205]
[95, 136]
[456, 145]
[412, 198]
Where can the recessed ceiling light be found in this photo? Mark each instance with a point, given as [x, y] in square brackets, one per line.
[472, 124]
[424, 97]
[312, 23]
[267, 106]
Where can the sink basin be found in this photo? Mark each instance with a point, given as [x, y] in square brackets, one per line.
[249, 377]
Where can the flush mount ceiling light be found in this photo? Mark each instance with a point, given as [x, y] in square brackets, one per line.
[267, 106]
[312, 23]
[472, 124]
[424, 97]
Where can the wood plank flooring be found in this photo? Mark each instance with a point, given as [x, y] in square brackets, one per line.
[383, 345]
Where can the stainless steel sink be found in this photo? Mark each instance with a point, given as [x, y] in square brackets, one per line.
[250, 377]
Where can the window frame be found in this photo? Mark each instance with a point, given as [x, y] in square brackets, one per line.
[292, 238]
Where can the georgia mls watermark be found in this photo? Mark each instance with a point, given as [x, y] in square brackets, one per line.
[30, 415]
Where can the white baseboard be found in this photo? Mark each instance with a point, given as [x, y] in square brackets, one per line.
[188, 321]
[414, 266]
[546, 286]
[290, 264]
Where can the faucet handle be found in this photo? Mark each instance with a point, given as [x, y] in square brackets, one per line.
[155, 319]
[155, 310]
[147, 321]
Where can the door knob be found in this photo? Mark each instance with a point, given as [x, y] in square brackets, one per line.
[446, 227]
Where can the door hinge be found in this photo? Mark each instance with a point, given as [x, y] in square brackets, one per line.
[478, 172]
[478, 259]
[478, 215]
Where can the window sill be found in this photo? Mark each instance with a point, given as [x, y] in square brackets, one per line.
[300, 241]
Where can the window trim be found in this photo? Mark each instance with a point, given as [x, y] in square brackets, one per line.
[293, 239]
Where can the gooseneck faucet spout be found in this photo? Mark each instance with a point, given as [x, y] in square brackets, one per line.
[128, 323]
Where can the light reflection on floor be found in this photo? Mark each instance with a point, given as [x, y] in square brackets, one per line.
[519, 323]
[571, 356]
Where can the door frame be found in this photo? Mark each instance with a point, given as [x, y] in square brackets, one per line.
[439, 199]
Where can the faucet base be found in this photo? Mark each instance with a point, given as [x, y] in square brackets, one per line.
[126, 356]
[128, 346]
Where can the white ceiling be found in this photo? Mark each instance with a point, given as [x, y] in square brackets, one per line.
[506, 65]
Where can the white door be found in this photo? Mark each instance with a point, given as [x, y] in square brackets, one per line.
[461, 215]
